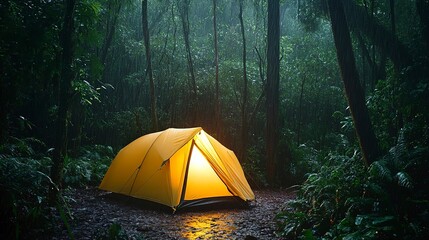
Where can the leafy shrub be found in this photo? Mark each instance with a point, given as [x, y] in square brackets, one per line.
[252, 168]
[89, 167]
[24, 185]
[398, 189]
[305, 159]
[346, 201]
[321, 200]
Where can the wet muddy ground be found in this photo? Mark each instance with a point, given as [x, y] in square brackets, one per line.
[94, 211]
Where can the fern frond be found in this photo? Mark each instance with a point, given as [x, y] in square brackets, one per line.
[404, 180]
[399, 151]
[378, 169]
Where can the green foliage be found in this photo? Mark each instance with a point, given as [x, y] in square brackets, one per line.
[24, 183]
[346, 201]
[87, 92]
[309, 13]
[122, 126]
[65, 218]
[305, 160]
[322, 198]
[254, 174]
[89, 167]
[383, 104]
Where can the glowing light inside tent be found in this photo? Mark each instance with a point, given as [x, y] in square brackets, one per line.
[203, 182]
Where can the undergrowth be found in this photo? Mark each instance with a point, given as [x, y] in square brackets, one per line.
[345, 200]
[25, 181]
[24, 184]
[89, 167]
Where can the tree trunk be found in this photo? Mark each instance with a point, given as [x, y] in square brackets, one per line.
[154, 116]
[392, 17]
[353, 89]
[273, 79]
[244, 120]
[217, 103]
[110, 27]
[63, 105]
[77, 121]
[184, 15]
[301, 97]
[261, 97]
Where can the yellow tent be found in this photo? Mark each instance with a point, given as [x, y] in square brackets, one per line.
[177, 168]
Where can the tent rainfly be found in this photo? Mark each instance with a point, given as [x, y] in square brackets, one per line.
[178, 168]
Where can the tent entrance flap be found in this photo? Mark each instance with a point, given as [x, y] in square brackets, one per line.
[202, 181]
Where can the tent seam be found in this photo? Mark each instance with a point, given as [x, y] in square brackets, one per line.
[141, 164]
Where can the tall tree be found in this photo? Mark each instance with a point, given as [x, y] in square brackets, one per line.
[244, 120]
[149, 73]
[217, 103]
[392, 17]
[353, 89]
[66, 78]
[273, 79]
[113, 10]
[184, 16]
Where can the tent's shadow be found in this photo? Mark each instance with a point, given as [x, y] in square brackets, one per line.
[135, 203]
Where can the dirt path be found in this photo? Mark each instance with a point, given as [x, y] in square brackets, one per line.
[94, 211]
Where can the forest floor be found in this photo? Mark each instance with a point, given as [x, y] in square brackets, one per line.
[94, 211]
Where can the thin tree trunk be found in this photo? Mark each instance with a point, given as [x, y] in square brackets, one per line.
[217, 103]
[392, 17]
[301, 96]
[146, 38]
[273, 79]
[110, 28]
[77, 121]
[263, 87]
[373, 34]
[63, 105]
[353, 89]
[172, 97]
[184, 15]
[244, 120]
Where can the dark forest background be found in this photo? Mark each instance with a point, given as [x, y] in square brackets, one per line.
[328, 97]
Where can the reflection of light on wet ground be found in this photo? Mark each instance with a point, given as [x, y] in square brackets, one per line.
[207, 226]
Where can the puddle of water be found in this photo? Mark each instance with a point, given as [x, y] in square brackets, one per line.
[207, 226]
